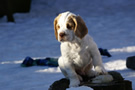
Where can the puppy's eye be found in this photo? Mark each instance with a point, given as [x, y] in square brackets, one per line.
[58, 27]
[69, 26]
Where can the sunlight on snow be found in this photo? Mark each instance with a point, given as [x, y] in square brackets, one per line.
[124, 49]
[50, 70]
[116, 65]
[11, 62]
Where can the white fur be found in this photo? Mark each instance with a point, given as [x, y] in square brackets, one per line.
[62, 23]
[78, 55]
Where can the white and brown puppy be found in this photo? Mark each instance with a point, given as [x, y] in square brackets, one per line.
[79, 53]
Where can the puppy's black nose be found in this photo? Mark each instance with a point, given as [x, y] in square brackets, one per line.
[62, 34]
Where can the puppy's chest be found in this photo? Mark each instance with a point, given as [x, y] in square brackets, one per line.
[75, 52]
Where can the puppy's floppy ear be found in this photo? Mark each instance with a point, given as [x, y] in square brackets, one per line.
[55, 26]
[80, 27]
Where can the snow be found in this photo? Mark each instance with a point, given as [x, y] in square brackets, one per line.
[80, 88]
[124, 49]
[110, 22]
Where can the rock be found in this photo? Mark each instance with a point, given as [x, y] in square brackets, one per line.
[60, 84]
[130, 62]
[116, 76]
[120, 85]
[117, 84]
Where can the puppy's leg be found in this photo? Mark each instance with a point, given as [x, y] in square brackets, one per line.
[98, 78]
[69, 72]
[100, 70]
[74, 79]
[97, 61]
[80, 78]
[62, 67]
[89, 72]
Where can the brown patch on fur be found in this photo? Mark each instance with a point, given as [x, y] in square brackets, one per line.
[70, 23]
[56, 26]
[80, 28]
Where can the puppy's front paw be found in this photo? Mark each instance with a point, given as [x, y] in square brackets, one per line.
[74, 83]
[100, 70]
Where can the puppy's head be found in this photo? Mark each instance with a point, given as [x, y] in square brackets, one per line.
[67, 26]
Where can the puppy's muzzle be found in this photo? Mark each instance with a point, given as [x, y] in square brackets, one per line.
[62, 34]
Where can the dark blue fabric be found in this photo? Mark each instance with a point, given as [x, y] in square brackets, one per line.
[28, 61]
[104, 52]
[41, 61]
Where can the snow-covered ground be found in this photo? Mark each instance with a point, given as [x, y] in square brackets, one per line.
[110, 22]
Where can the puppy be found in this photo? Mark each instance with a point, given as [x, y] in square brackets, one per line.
[79, 53]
